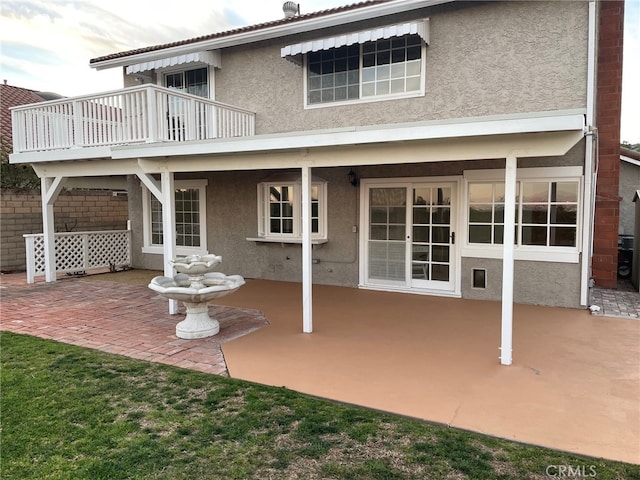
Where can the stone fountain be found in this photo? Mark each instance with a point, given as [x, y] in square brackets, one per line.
[196, 285]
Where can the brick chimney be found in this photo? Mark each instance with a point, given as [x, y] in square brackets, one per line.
[608, 106]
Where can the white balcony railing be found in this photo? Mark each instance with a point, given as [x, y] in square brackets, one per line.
[145, 113]
[79, 251]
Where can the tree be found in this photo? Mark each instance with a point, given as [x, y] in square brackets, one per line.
[631, 146]
[15, 176]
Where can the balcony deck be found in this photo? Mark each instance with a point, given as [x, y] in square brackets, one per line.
[134, 115]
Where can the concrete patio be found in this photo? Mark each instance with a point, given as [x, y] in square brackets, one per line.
[574, 384]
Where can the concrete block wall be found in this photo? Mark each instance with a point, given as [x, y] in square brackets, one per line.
[608, 106]
[76, 210]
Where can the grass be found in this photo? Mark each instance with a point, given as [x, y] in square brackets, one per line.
[73, 413]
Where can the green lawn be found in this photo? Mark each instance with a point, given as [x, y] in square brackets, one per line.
[74, 413]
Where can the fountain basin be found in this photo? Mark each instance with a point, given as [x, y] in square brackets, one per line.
[195, 264]
[196, 291]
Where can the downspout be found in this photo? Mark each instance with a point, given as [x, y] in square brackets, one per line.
[590, 174]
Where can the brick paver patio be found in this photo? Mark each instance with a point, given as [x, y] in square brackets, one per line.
[118, 318]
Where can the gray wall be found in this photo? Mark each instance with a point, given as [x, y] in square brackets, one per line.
[484, 59]
[232, 218]
[537, 283]
[629, 184]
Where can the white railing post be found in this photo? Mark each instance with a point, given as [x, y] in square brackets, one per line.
[77, 124]
[17, 122]
[192, 119]
[152, 115]
[31, 258]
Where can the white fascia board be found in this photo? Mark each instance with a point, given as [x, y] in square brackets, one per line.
[92, 168]
[630, 160]
[98, 183]
[475, 127]
[252, 36]
[86, 153]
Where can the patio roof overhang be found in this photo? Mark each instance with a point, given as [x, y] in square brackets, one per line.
[531, 135]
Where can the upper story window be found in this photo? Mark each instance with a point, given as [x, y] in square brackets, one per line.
[387, 67]
[194, 82]
[382, 63]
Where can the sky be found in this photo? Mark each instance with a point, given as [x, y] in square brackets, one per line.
[46, 45]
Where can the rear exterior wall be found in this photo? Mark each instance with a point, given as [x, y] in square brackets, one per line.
[231, 203]
[484, 58]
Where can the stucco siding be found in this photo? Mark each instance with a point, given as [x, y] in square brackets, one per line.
[483, 59]
[538, 283]
[232, 211]
[232, 218]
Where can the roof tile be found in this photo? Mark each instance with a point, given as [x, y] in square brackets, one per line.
[11, 96]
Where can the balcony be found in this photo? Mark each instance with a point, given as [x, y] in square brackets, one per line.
[141, 114]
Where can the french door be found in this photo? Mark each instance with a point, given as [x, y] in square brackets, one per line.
[410, 236]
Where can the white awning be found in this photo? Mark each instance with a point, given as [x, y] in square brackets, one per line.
[294, 52]
[209, 57]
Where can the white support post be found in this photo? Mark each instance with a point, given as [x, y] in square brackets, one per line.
[31, 257]
[307, 264]
[508, 259]
[169, 229]
[49, 190]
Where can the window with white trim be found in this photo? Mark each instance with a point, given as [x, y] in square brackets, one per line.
[190, 218]
[392, 67]
[546, 213]
[547, 217]
[280, 210]
[549, 213]
[194, 81]
[486, 213]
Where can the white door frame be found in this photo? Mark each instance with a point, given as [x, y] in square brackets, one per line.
[456, 226]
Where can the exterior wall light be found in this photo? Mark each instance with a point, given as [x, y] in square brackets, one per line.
[353, 178]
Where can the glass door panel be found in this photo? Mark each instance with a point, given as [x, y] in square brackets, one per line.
[386, 243]
[431, 239]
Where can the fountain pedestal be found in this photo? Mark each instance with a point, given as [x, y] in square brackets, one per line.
[197, 323]
[195, 285]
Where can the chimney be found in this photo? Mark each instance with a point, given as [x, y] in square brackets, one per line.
[291, 9]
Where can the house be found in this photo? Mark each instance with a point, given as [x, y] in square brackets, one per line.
[421, 146]
[629, 182]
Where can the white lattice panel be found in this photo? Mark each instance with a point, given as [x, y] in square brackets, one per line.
[82, 251]
[107, 249]
[69, 253]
